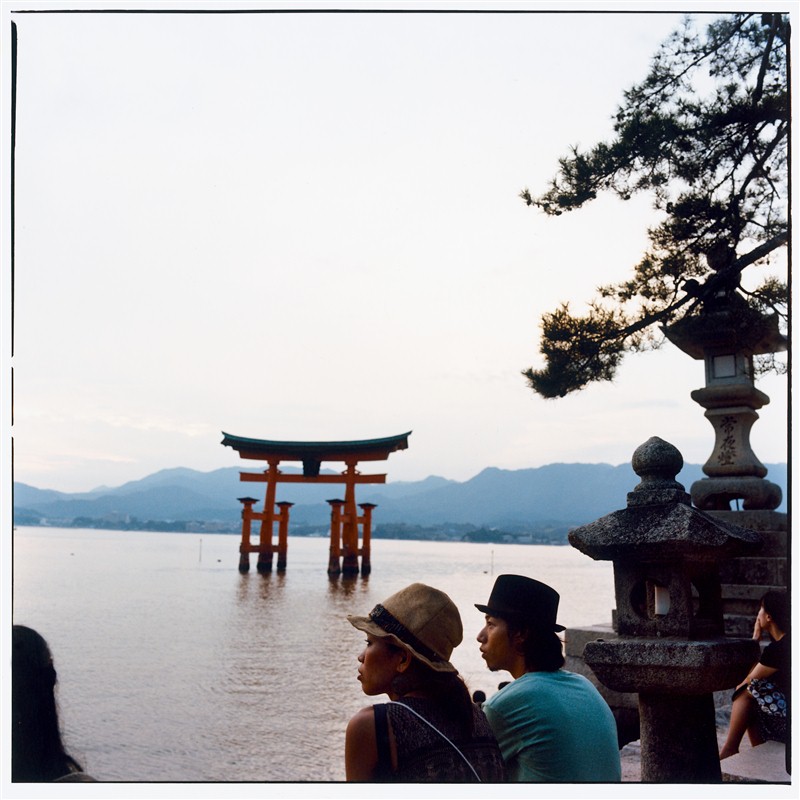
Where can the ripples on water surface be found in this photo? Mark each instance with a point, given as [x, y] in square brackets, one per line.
[174, 667]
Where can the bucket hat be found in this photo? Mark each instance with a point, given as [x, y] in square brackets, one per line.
[419, 618]
[522, 599]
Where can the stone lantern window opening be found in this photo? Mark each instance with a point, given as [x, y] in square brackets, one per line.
[683, 599]
[649, 599]
[638, 602]
[728, 368]
[660, 600]
[723, 367]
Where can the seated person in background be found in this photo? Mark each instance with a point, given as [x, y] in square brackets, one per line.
[552, 725]
[37, 753]
[431, 731]
[761, 700]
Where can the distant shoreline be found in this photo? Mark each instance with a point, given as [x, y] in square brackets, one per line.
[413, 533]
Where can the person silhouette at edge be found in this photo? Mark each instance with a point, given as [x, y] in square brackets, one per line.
[37, 752]
[761, 701]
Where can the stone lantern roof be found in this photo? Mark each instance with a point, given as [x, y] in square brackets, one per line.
[659, 523]
[735, 325]
[654, 533]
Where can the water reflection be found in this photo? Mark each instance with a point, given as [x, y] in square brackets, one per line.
[343, 592]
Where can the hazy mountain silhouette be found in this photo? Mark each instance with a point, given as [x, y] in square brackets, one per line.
[561, 494]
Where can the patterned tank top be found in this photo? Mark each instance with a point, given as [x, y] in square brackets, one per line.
[424, 756]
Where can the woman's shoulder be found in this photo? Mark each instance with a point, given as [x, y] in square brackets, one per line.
[361, 745]
[362, 719]
[779, 645]
[776, 651]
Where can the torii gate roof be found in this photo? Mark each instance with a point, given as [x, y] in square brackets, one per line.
[356, 450]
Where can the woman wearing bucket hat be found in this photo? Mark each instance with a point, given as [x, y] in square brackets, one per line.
[552, 725]
[431, 730]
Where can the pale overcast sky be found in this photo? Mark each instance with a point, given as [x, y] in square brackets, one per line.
[307, 226]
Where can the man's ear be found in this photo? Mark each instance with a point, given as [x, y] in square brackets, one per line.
[518, 638]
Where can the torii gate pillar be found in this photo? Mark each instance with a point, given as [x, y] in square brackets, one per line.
[335, 551]
[366, 536]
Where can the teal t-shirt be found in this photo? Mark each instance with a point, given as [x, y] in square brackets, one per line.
[555, 727]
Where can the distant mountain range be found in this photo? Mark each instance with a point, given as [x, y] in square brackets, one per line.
[553, 496]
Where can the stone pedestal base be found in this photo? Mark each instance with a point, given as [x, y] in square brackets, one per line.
[710, 494]
[679, 739]
[671, 666]
[675, 680]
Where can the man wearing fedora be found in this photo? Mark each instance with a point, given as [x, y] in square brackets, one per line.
[552, 725]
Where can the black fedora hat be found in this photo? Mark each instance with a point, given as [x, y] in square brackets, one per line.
[523, 599]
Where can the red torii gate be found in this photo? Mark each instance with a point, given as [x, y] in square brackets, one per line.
[344, 517]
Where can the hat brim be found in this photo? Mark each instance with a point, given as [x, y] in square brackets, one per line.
[516, 616]
[367, 625]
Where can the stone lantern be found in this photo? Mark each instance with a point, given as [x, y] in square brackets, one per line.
[726, 335]
[671, 648]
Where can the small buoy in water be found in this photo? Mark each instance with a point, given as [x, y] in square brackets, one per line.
[219, 561]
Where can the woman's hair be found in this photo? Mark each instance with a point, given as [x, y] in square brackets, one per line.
[777, 606]
[37, 753]
[542, 649]
[446, 688]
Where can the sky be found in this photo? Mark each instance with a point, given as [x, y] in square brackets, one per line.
[307, 226]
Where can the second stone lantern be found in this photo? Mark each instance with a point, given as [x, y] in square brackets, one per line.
[727, 336]
[671, 648]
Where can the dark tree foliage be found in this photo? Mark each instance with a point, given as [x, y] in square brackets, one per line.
[706, 133]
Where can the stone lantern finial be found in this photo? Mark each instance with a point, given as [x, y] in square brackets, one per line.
[657, 463]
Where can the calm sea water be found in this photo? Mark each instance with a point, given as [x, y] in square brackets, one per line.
[175, 667]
